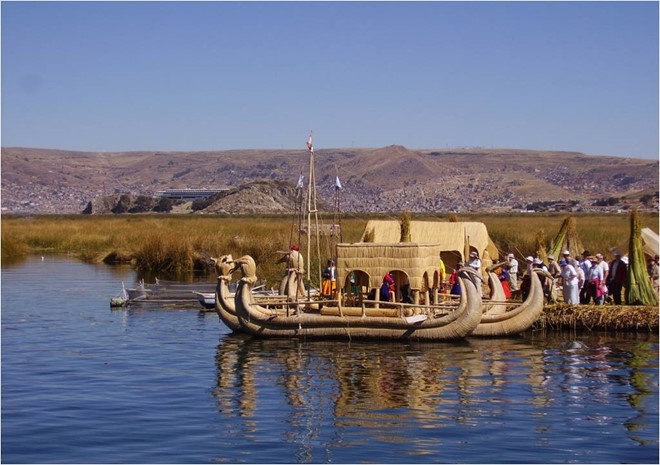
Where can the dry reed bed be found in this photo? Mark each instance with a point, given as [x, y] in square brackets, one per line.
[599, 317]
[173, 244]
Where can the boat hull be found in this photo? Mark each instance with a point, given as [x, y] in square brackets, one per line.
[262, 322]
[224, 304]
[517, 320]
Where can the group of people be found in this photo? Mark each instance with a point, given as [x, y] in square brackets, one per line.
[589, 278]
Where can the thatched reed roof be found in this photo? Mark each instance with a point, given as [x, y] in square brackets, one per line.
[448, 236]
[412, 259]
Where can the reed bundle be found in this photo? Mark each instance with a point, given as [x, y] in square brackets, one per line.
[599, 317]
[567, 239]
[540, 240]
[405, 227]
[639, 290]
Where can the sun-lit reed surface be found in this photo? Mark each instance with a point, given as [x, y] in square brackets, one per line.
[179, 244]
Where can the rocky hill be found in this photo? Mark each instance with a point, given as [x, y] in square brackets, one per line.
[388, 179]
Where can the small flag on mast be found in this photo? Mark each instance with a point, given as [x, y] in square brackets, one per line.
[300, 181]
[310, 145]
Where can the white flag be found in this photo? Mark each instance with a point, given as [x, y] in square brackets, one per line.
[337, 183]
[310, 145]
[300, 182]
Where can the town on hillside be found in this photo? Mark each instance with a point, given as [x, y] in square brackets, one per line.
[389, 179]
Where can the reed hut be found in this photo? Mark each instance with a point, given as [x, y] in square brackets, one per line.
[455, 239]
[411, 264]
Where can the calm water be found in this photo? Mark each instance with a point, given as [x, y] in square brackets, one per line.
[84, 384]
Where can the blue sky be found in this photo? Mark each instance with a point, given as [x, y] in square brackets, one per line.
[123, 76]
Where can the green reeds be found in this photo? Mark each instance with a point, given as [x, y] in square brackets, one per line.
[567, 239]
[639, 290]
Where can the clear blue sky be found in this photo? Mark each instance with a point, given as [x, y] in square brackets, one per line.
[123, 76]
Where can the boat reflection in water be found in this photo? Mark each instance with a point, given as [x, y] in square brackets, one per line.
[430, 397]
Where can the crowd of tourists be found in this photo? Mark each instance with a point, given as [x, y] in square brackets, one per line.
[589, 279]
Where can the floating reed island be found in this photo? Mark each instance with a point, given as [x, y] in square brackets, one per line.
[599, 317]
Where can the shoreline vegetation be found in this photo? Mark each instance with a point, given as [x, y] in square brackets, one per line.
[178, 246]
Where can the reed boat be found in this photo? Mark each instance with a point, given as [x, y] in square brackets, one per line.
[387, 321]
[225, 298]
[505, 318]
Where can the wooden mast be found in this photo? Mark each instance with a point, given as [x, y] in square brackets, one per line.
[336, 221]
[312, 209]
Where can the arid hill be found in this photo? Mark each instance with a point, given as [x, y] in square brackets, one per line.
[387, 179]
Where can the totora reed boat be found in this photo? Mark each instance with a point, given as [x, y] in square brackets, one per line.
[224, 297]
[385, 256]
[429, 317]
[329, 319]
[506, 318]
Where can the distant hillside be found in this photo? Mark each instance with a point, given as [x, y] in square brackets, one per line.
[387, 179]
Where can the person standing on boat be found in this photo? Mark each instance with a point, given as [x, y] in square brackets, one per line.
[387, 289]
[504, 279]
[442, 272]
[474, 262]
[454, 283]
[527, 277]
[355, 288]
[512, 268]
[329, 275]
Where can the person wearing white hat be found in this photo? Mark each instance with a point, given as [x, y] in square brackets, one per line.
[530, 263]
[553, 268]
[585, 266]
[474, 262]
[569, 282]
[566, 255]
[538, 263]
[546, 281]
[512, 268]
[593, 286]
[526, 280]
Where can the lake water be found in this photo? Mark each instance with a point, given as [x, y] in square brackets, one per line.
[82, 383]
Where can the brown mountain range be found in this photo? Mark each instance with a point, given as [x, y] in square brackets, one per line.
[384, 179]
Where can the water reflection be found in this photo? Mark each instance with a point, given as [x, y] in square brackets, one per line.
[380, 387]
